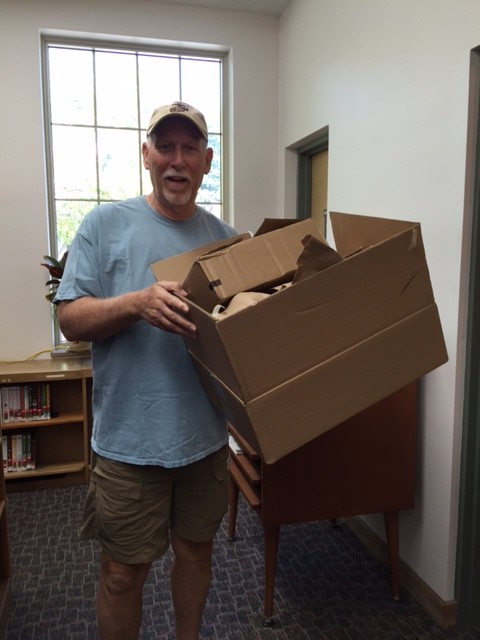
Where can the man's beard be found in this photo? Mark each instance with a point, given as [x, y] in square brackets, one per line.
[177, 199]
[174, 198]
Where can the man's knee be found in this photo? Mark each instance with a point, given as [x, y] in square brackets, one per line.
[119, 578]
[190, 551]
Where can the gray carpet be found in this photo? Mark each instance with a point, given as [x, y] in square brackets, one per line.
[328, 585]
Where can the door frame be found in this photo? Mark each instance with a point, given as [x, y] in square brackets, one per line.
[305, 153]
[467, 570]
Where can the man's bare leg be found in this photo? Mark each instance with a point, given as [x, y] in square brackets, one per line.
[119, 599]
[191, 573]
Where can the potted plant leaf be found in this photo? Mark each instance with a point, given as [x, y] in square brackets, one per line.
[55, 268]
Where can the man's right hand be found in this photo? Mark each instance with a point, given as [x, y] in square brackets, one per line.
[162, 308]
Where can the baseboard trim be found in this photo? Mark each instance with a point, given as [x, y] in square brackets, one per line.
[443, 612]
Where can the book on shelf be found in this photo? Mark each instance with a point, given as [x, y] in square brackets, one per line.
[25, 402]
[18, 451]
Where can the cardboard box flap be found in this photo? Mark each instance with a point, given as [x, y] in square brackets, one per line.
[213, 249]
[402, 253]
[258, 264]
[272, 224]
[315, 257]
[354, 232]
[176, 267]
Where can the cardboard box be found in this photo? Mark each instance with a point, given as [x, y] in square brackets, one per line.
[316, 353]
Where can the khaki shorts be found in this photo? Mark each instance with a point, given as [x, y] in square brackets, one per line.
[130, 509]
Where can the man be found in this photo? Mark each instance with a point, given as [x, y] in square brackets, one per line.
[160, 475]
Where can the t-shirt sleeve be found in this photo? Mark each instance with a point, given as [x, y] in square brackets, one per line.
[82, 275]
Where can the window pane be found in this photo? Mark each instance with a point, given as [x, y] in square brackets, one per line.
[69, 216]
[71, 85]
[196, 75]
[118, 164]
[159, 83]
[116, 89]
[74, 162]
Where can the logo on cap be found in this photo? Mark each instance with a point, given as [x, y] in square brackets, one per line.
[179, 107]
[182, 109]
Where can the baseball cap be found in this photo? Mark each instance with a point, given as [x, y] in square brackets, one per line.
[179, 109]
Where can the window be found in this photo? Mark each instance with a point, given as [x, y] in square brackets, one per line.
[98, 99]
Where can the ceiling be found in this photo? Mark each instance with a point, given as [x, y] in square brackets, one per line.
[273, 7]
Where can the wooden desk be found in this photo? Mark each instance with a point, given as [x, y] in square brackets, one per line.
[364, 465]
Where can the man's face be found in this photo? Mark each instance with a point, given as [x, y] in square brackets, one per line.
[177, 158]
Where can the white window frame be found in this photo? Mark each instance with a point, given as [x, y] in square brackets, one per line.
[132, 45]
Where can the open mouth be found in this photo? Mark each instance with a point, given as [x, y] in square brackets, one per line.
[176, 179]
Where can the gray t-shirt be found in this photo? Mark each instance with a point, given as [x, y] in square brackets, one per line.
[149, 406]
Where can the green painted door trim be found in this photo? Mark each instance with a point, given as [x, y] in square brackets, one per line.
[304, 173]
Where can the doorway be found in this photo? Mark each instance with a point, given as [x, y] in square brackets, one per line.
[312, 192]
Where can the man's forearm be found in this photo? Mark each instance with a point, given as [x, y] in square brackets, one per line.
[93, 319]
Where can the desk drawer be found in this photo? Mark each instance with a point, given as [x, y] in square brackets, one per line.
[252, 493]
[245, 468]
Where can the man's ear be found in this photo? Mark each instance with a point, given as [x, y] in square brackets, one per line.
[145, 154]
[208, 160]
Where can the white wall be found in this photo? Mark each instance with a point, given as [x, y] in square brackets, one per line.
[390, 79]
[25, 324]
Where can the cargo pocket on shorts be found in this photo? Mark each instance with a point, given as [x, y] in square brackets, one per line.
[119, 517]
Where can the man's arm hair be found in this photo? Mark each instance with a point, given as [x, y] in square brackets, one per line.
[88, 319]
[94, 319]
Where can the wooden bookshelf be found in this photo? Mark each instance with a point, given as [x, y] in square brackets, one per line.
[61, 442]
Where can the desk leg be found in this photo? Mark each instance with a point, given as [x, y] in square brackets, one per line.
[272, 536]
[232, 508]
[392, 532]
